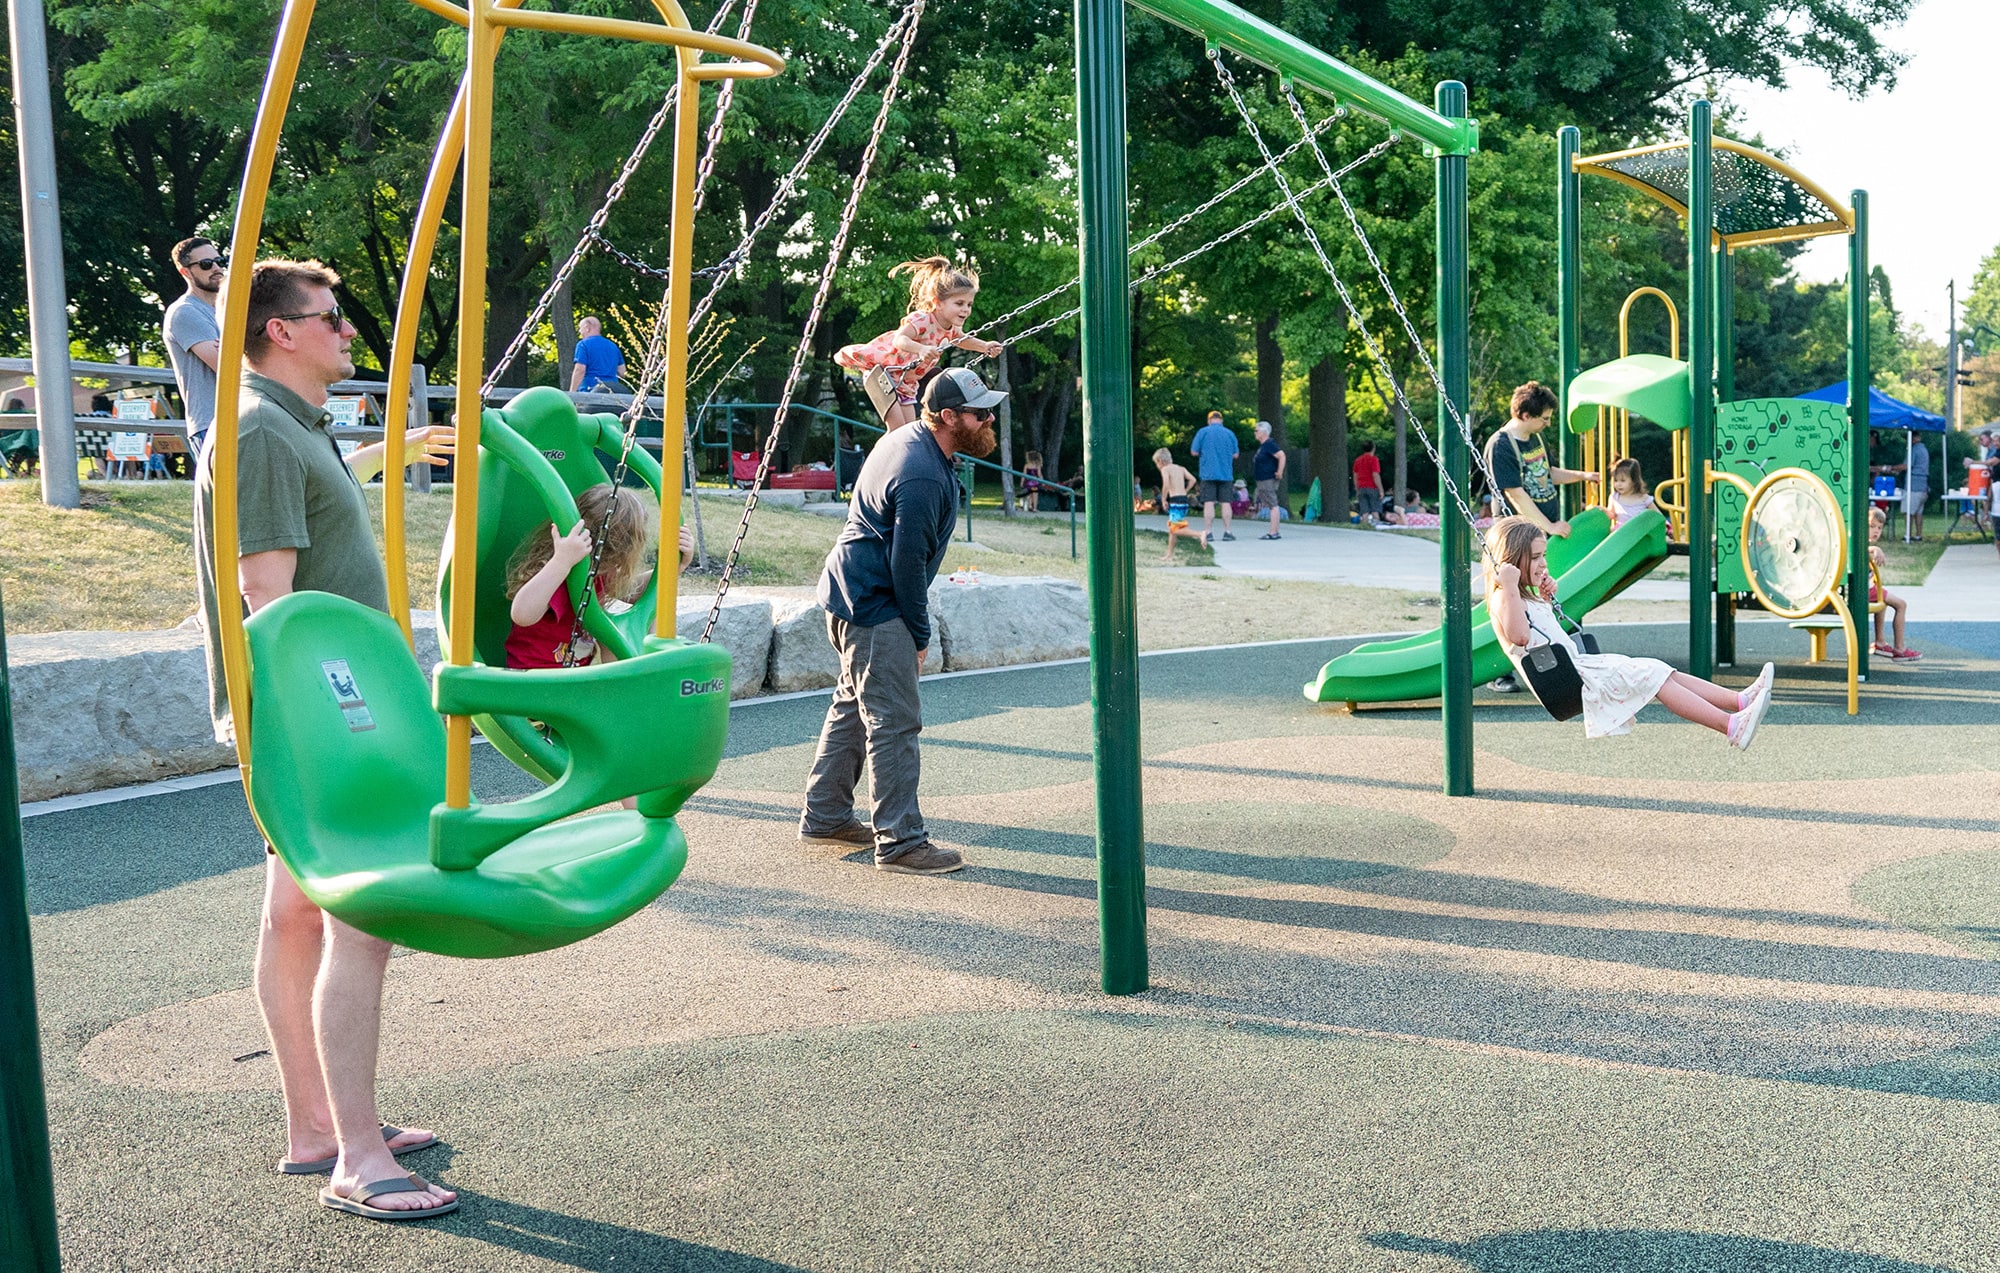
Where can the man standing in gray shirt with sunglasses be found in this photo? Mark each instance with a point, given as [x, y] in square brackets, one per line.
[194, 337]
[876, 590]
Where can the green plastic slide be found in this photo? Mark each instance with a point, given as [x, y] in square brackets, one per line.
[1591, 566]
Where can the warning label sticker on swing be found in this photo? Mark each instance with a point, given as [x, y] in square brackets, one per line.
[347, 694]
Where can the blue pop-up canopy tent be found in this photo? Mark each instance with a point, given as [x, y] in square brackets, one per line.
[1884, 412]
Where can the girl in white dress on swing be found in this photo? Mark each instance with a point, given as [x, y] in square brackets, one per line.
[1615, 686]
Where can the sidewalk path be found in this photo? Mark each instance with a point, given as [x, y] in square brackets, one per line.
[1323, 554]
[1963, 587]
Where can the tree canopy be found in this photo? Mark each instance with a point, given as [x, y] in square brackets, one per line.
[977, 163]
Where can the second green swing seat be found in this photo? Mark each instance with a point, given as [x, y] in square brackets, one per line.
[536, 456]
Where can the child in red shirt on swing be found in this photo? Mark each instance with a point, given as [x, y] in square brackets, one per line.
[537, 575]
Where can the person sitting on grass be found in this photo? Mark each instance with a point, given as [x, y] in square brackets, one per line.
[1615, 686]
[1177, 493]
[1891, 603]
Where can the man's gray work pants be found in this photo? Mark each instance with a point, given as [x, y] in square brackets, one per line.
[875, 714]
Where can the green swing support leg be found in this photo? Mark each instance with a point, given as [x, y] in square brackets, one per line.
[1859, 378]
[28, 1237]
[1701, 405]
[1107, 444]
[1455, 365]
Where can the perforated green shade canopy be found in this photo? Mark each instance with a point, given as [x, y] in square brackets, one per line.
[1757, 198]
[1649, 385]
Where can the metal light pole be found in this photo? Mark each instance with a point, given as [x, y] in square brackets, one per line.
[41, 233]
[1454, 330]
[27, 1185]
[1107, 453]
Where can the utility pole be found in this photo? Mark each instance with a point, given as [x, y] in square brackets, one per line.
[41, 235]
[1951, 362]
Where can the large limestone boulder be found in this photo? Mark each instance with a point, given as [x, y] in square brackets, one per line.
[802, 658]
[998, 620]
[103, 709]
[744, 629]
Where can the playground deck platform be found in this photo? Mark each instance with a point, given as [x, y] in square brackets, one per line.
[1640, 1005]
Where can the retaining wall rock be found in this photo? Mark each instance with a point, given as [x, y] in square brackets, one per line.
[743, 628]
[802, 658]
[103, 709]
[996, 620]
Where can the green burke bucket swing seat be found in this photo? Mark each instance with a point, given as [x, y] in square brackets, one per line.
[348, 781]
[536, 456]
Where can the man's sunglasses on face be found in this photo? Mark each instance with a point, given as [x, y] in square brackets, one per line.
[978, 415]
[212, 263]
[333, 317]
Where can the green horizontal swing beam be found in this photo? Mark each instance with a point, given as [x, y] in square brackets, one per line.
[1221, 23]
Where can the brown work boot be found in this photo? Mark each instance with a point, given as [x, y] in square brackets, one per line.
[925, 859]
[855, 835]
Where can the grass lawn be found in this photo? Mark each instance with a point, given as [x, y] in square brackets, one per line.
[124, 561]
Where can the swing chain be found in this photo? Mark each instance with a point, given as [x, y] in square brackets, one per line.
[1161, 233]
[598, 219]
[788, 186]
[913, 17]
[1458, 498]
[1157, 271]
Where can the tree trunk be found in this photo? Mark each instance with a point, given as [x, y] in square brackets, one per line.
[507, 303]
[1004, 418]
[1326, 397]
[1271, 377]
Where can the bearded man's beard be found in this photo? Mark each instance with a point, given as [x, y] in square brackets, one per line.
[977, 441]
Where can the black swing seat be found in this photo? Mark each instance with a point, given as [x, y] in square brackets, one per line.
[1553, 679]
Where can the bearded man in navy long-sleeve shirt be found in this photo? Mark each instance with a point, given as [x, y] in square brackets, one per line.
[876, 591]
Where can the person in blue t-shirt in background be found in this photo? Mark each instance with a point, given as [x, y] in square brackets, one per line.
[598, 363]
[1215, 451]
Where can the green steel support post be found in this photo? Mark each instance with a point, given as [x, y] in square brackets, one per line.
[28, 1239]
[1701, 373]
[1455, 365]
[1725, 391]
[1569, 298]
[1107, 462]
[1859, 378]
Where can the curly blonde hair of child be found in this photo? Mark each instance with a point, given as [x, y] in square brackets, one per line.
[621, 564]
[1511, 540]
[934, 278]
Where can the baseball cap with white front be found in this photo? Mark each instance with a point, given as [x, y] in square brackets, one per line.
[957, 387]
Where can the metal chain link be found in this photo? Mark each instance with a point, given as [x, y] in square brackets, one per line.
[1458, 498]
[913, 16]
[789, 185]
[624, 258]
[603, 213]
[1388, 286]
[1373, 152]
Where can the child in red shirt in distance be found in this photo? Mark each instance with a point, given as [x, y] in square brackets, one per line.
[543, 616]
[1368, 484]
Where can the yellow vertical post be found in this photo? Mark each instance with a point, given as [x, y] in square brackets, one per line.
[673, 388]
[285, 53]
[403, 352]
[481, 34]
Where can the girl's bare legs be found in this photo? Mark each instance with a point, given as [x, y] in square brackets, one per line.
[1901, 609]
[1703, 702]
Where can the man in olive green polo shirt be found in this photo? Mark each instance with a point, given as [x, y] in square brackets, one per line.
[304, 525]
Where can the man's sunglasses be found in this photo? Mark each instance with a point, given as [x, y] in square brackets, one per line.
[978, 415]
[333, 317]
[212, 263]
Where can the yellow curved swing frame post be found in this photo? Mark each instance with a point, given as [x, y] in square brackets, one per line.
[467, 135]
